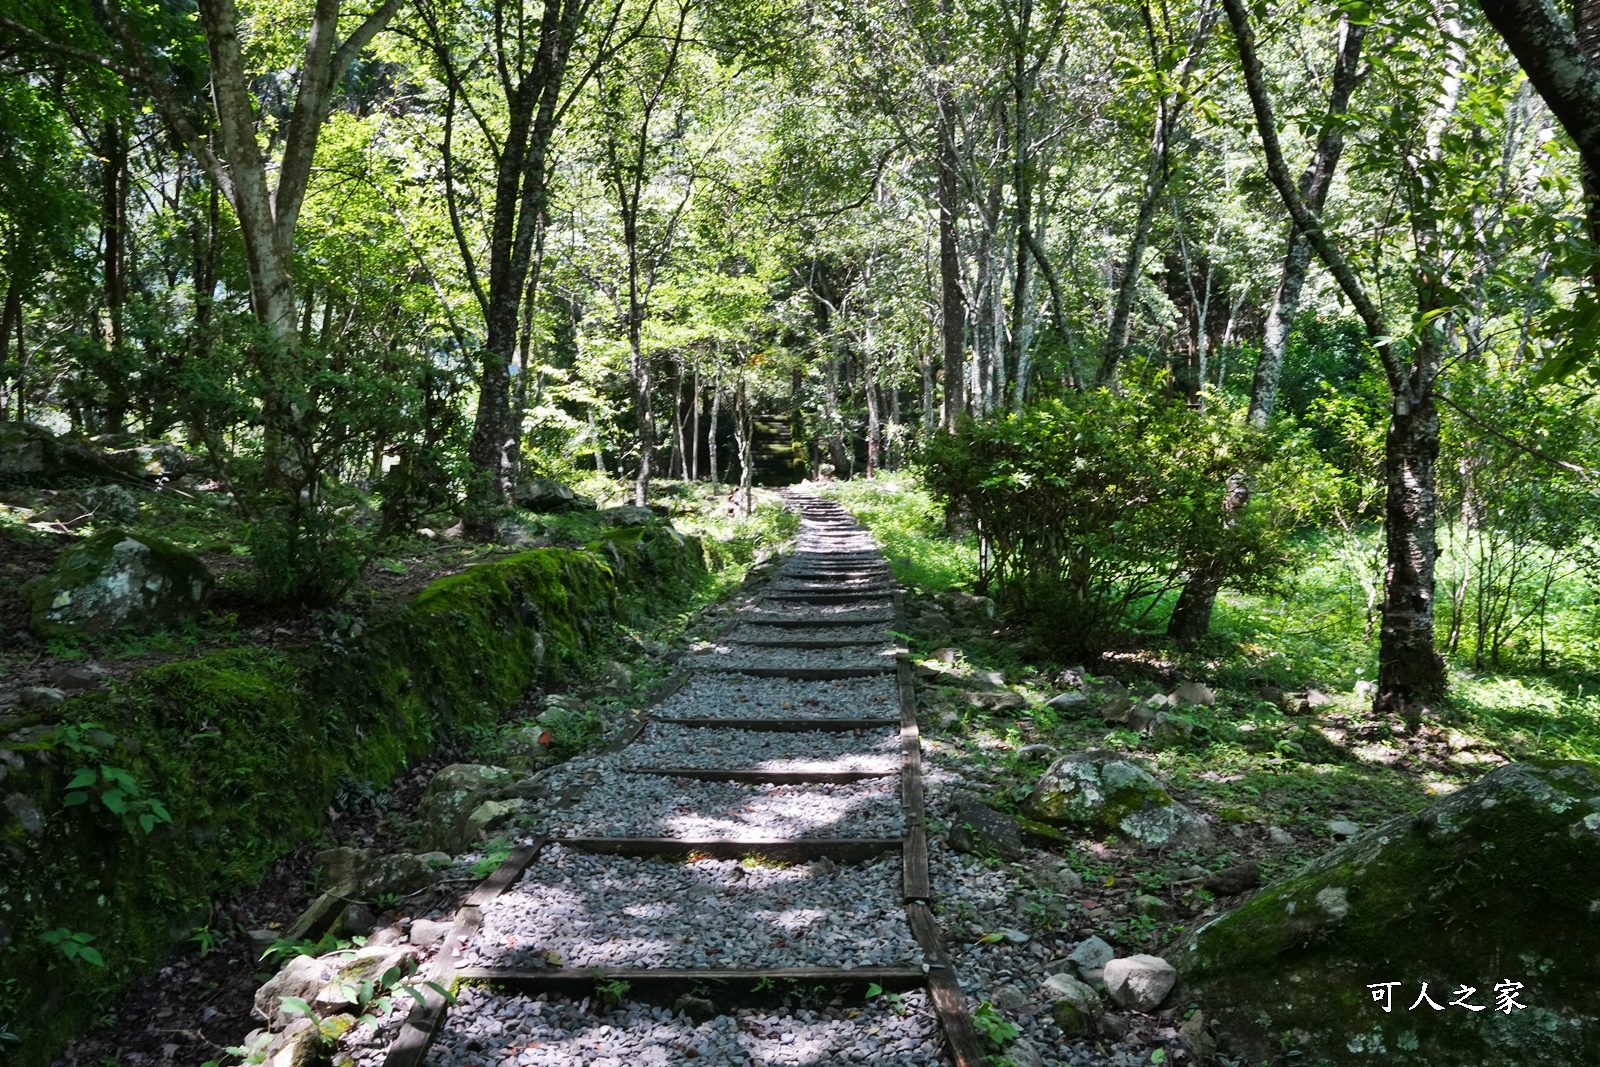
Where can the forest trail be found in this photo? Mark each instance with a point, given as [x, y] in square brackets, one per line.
[758, 833]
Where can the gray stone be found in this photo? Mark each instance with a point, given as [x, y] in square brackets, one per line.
[26, 812]
[428, 932]
[75, 676]
[1064, 987]
[1039, 753]
[697, 1008]
[1073, 1020]
[358, 920]
[1023, 1053]
[1056, 877]
[1092, 955]
[978, 829]
[1502, 869]
[1365, 691]
[1194, 693]
[301, 976]
[1113, 1026]
[1343, 828]
[451, 803]
[1151, 907]
[626, 515]
[1003, 700]
[1009, 999]
[1100, 790]
[1014, 937]
[41, 696]
[1115, 707]
[614, 678]
[549, 496]
[113, 580]
[1139, 983]
[1196, 1038]
[1316, 698]
[1279, 836]
[1071, 700]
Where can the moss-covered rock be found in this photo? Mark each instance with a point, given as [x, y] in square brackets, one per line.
[114, 580]
[1099, 790]
[1494, 884]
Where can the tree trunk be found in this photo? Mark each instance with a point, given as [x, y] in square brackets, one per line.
[1410, 670]
[1155, 182]
[1191, 616]
[711, 431]
[114, 245]
[869, 380]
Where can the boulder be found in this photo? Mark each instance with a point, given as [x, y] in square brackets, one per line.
[428, 932]
[1003, 700]
[1071, 700]
[1491, 887]
[626, 515]
[1091, 957]
[549, 495]
[113, 580]
[1099, 790]
[978, 829]
[301, 977]
[369, 874]
[79, 676]
[1063, 990]
[451, 802]
[1140, 983]
[1194, 693]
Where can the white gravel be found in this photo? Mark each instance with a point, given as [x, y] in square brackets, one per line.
[572, 909]
[496, 1028]
[734, 696]
[726, 655]
[642, 805]
[688, 746]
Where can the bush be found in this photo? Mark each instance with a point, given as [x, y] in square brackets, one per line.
[1090, 508]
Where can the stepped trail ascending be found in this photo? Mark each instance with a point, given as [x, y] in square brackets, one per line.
[759, 830]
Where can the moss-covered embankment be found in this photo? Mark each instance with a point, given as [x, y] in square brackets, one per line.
[243, 748]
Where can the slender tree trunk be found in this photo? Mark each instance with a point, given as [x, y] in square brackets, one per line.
[869, 380]
[1155, 182]
[1410, 670]
[953, 312]
[114, 245]
[711, 431]
[1191, 616]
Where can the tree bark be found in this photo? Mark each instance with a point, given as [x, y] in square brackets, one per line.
[952, 302]
[1191, 616]
[1155, 182]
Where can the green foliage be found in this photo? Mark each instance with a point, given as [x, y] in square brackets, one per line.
[1091, 508]
[994, 1027]
[74, 945]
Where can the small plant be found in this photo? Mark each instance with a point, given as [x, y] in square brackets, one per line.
[609, 991]
[74, 945]
[9, 1036]
[993, 1026]
[895, 1001]
[491, 859]
[207, 939]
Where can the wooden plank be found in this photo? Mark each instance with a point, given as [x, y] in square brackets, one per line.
[804, 674]
[410, 1047]
[843, 849]
[816, 622]
[783, 726]
[817, 643]
[826, 598]
[580, 981]
[944, 989]
[759, 775]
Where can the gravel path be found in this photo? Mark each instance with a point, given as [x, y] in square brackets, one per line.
[575, 909]
[639, 805]
[733, 696]
[557, 1032]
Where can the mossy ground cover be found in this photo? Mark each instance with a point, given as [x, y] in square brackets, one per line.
[244, 746]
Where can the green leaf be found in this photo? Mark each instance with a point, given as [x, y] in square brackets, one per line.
[72, 800]
[874, 990]
[295, 1006]
[84, 778]
[114, 801]
[1158, 1056]
[91, 955]
[991, 939]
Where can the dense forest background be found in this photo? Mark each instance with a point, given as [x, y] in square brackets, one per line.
[1160, 301]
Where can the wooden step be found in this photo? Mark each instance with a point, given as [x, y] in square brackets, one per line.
[759, 776]
[719, 982]
[775, 725]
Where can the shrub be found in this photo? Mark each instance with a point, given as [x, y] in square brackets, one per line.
[1089, 508]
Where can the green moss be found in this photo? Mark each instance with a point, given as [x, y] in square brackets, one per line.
[244, 748]
[1494, 884]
